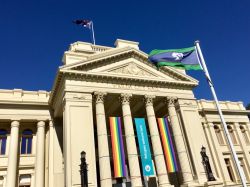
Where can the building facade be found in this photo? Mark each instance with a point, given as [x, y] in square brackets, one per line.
[43, 133]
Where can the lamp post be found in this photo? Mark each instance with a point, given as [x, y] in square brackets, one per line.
[83, 170]
[206, 164]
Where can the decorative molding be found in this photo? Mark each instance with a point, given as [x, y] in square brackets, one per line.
[125, 98]
[132, 69]
[78, 96]
[99, 97]
[149, 99]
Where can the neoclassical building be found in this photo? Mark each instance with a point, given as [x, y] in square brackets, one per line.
[43, 133]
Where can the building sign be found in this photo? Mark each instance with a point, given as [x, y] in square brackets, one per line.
[147, 165]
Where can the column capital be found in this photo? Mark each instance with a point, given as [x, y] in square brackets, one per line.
[99, 96]
[149, 99]
[206, 125]
[125, 98]
[51, 124]
[210, 124]
[15, 124]
[40, 124]
[171, 100]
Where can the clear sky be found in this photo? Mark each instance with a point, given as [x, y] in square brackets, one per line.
[34, 35]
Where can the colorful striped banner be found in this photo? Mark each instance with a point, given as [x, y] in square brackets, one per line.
[167, 143]
[117, 147]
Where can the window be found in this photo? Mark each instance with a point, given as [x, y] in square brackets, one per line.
[232, 135]
[26, 141]
[3, 139]
[1, 181]
[243, 166]
[219, 135]
[230, 169]
[244, 134]
[25, 180]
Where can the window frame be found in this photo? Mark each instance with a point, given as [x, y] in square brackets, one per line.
[26, 142]
[3, 141]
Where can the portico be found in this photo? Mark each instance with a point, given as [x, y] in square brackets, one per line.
[121, 82]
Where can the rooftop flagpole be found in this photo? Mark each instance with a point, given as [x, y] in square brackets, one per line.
[88, 24]
[235, 157]
[93, 33]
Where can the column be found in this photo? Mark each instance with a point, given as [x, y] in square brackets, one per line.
[219, 154]
[134, 166]
[12, 157]
[39, 166]
[179, 142]
[156, 143]
[214, 161]
[51, 154]
[103, 147]
[243, 144]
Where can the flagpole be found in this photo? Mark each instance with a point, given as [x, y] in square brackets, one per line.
[93, 33]
[235, 157]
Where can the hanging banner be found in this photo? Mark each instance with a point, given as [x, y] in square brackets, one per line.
[117, 147]
[147, 165]
[167, 144]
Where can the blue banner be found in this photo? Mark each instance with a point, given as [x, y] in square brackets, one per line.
[147, 165]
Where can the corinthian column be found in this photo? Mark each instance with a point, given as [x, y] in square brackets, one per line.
[103, 147]
[179, 141]
[133, 161]
[156, 143]
[12, 157]
[39, 167]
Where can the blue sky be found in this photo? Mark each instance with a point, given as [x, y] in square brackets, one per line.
[34, 35]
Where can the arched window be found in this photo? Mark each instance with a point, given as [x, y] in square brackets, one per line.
[232, 135]
[244, 134]
[26, 141]
[219, 134]
[3, 139]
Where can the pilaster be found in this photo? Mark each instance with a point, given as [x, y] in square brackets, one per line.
[78, 136]
[218, 154]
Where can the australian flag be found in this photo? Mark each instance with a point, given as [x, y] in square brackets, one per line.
[84, 23]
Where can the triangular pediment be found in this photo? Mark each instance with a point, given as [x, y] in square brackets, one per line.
[127, 62]
[131, 67]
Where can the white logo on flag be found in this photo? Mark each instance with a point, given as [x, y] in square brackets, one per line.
[177, 56]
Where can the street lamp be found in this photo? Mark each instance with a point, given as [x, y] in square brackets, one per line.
[84, 170]
[206, 164]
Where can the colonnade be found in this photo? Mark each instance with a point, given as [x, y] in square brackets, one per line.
[13, 155]
[132, 154]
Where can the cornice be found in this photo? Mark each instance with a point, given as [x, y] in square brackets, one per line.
[108, 76]
[23, 97]
[225, 111]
